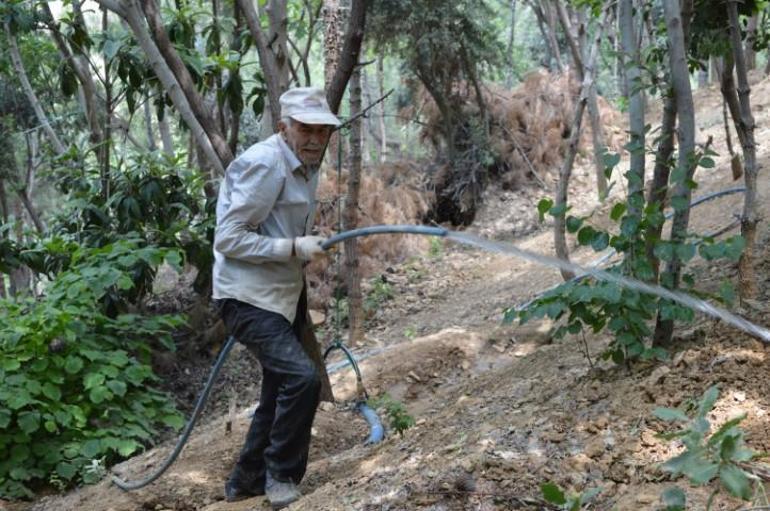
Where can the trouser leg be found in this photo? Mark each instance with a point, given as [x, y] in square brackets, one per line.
[293, 386]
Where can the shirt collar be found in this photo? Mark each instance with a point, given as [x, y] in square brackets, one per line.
[288, 154]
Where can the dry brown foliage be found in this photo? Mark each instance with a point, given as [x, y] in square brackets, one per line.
[392, 193]
[536, 116]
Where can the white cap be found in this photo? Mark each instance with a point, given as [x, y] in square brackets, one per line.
[308, 105]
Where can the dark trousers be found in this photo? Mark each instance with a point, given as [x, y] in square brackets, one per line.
[278, 439]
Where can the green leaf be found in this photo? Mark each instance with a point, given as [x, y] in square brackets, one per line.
[600, 241]
[29, 422]
[66, 470]
[736, 482]
[173, 421]
[99, 395]
[586, 235]
[708, 401]
[127, 447]
[73, 364]
[727, 292]
[51, 391]
[91, 448]
[707, 163]
[674, 499]
[702, 472]
[9, 364]
[553, 494]
[611, 159]
[670, 414]
[574, 223]
[680, 203]
[5, 418]
[617, 211]
[92, 380]
[117, 387]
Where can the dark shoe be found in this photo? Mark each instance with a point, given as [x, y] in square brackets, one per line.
[239, 487]
[281, 493]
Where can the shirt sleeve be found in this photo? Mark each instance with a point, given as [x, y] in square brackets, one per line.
[253, 192]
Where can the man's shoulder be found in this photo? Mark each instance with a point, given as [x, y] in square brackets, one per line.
[266, 151]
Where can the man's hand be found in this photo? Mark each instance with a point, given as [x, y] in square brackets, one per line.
[308, 247]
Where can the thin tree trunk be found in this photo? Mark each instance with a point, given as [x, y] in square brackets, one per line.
[148, 126]
[87, 86]
[383, 131]
[348, 56]
[550, 23]
[131, 12]
[659, 186]
[751, 37]
[680, 78]
[576, 44]
[509, 50]
[165, 134]
[104, 148]
[750, 218]
[560, 202]
[636, 106]
[18, 66]
[266, 61]
[352, 273]
[195, 100]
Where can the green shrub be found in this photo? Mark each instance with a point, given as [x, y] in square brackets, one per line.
[75, 384]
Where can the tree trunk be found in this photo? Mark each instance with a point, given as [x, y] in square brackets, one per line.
[352, 273]
[348, 57]
[659, 186]
[577, 45]
[751, 37]
[381, 106]
[148, 126]
[547, 15]
[131, 12]
[750, 218]
[680, 79]
[635, 106]
[560, 201]
[185, 81]
[509, 50]
[18, 67]
[165, 134]
[80, 66]
[266, 61]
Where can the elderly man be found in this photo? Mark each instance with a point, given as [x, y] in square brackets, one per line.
[265, 213]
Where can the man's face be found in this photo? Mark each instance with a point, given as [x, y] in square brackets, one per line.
[306, 140]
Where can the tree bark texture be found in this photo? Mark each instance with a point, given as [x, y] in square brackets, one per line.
[750, 218]
[350, 218]
[576, 45]
[659, 186]
[130, 11]
[634, 93]
[560, 201]
[185, 81]
[18, 67]
[680, 79]
[87, 86]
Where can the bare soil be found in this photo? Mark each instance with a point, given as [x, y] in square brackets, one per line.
[499, 409]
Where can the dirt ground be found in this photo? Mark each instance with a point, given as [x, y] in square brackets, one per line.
[499, 409]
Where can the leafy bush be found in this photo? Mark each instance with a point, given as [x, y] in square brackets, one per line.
[75, 389]
[706, 456]
[627, 313]
[575, 502]
[400, 420]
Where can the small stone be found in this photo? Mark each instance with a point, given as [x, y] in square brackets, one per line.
[739, 396]
[317, 317]
[646, 498]
[594, 448]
